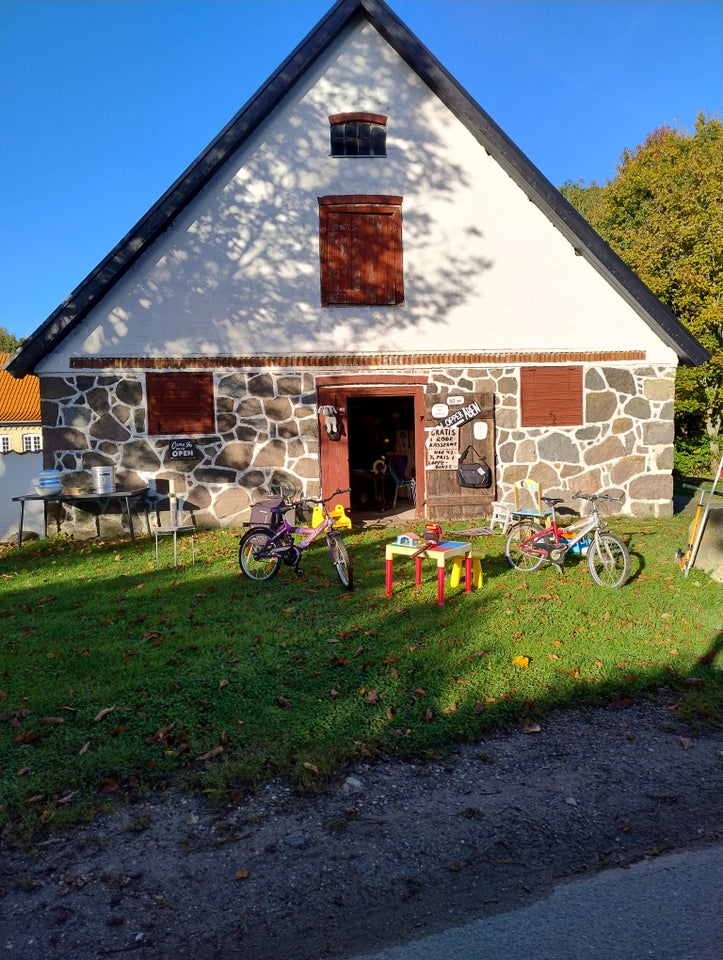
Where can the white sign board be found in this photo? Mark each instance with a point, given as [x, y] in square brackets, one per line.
[442, 452]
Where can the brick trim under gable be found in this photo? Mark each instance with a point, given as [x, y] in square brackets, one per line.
[353, 360]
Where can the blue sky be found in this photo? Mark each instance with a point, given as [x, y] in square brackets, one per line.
[103, 103]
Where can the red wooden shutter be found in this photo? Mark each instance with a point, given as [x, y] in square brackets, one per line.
[180, 403]
[361, 251]
[551, 396]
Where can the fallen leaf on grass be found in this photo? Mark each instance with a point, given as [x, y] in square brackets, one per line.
[26, 737]
[103, 713]
[23, 770]
[428, 715]
[222, 684]
[243, 873]
[62, 801]
[311, 767]
[283, 702]
[686, 743]
[16, 716]
[215, 752]
[52, 720]
[522, 662]
[109, 786]
[161, 736]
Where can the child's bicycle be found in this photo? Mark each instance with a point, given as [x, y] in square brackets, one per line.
[265, 547]
[529, 544]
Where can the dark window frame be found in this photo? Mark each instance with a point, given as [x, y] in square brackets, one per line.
[357, 135]
[360, 250]
[551, 396]
[180, 402]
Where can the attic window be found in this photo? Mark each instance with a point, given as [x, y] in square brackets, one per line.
[358, 135]
[180, 403]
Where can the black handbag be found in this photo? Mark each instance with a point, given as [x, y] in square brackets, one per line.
[473, 474]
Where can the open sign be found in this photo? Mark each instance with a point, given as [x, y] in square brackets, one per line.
[461, 416]
[183, 449]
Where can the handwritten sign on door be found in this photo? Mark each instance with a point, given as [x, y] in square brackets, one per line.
[442, 444]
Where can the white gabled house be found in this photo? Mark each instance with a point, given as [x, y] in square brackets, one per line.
[362, 263]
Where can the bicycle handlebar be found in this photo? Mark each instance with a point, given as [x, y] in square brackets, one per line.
[322, 499]
[598, 496]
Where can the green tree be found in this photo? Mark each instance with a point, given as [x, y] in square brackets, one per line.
[663, 214]
[8, 342]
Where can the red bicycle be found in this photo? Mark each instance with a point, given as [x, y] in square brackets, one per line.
[529, 544]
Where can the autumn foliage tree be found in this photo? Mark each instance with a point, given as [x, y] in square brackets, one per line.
[663, 215]
[8, 342]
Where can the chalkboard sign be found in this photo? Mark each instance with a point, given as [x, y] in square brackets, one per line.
[183, 449]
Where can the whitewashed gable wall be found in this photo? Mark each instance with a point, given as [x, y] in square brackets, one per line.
[238, 274]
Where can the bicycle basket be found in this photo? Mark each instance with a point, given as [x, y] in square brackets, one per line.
[262, 513]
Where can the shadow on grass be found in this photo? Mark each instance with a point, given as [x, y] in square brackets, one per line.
[205, 674]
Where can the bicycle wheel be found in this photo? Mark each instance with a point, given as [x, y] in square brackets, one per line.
[341, 560]
[253, 555]
[608, 560]
[516, 557]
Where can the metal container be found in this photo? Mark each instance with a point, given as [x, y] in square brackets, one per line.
[103, 479]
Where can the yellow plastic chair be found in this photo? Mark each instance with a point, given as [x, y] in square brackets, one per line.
[528, 500]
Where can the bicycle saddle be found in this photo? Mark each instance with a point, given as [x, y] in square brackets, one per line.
[551, 501]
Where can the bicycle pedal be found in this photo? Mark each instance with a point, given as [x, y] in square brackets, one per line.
[299, 572]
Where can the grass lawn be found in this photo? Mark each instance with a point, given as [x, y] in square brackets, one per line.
[117, 678]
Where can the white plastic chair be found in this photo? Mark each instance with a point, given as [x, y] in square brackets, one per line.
[501, 514]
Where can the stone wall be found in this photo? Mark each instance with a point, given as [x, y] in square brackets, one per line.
[268, 432]
[625, 445]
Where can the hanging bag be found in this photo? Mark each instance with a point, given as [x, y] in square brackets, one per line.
[476, 475]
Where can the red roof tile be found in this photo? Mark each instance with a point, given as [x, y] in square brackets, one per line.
[19, 399]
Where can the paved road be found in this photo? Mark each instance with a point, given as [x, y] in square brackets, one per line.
[669, 908]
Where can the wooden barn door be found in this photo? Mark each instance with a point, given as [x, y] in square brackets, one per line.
[449, 428]
[334, 454]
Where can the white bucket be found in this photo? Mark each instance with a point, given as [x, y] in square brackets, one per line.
[103, 479]
[48, 483]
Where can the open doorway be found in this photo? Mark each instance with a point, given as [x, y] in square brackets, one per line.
[381, 431]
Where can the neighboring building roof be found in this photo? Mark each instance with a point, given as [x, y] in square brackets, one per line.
[539, 190]
[19, 399]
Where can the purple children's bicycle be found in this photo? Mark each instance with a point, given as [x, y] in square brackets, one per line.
[272, 540]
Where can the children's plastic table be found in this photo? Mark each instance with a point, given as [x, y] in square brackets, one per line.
[441, 552]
